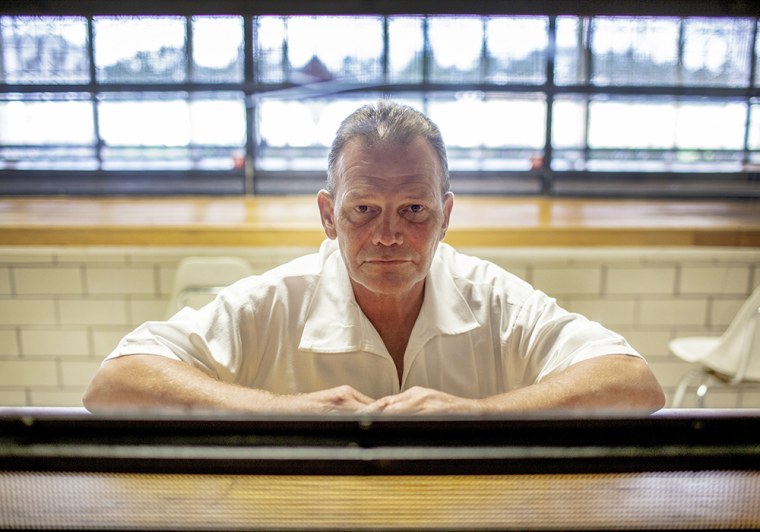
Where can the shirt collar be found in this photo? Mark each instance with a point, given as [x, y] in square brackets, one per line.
[336, 324]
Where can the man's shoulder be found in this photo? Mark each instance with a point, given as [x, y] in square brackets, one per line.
[291, 279]
[468, 269]
[468, 265]
[306, 266]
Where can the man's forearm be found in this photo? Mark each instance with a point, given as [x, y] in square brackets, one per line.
[615, 383]
[151, 382]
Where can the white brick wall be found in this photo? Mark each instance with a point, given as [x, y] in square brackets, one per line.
[63, 309]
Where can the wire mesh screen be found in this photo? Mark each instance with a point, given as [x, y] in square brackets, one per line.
[609, 501]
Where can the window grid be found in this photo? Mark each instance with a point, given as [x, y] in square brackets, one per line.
[577, 81]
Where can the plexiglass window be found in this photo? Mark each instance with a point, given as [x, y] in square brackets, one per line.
[483, 132]
[717, 52]
[40, 131]
[456, 49]
[406, 49]
[570, 60]
[516, 48]
[140, 49]
[665, 134]
[44, 50]
[315, 49]
[296, 134]
[754, 124]
[217, 49]
[753, 139]
[641, 51]
[171, 130]
[206, 95]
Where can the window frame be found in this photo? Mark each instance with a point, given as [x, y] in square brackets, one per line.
[542, 180]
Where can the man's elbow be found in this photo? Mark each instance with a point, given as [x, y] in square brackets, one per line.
[95, 396]
[650, 395]
[653, 397]
[102, 393]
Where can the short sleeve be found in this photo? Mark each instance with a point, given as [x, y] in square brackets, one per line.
[545, 338]
[207, 338]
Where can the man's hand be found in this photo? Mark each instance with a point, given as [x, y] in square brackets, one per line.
[338, 399]
[419, 400]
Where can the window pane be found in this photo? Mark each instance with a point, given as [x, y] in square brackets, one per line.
[43, 50]
[632, 123]
[754, 125]
[405, 49]
[322, 48]
[570, 65]
[710, 125]
[665, 123]
[218, 49]
[296, 135]
[46, 131]
[637, 51]
[271, 45]
[569, 122]
[140, 49]
[757, 61]
[218, 119]
[516, 49]
[144, 119]
[488, 131]
[456, 45]
[665, 134]
[171, 130]
[717, 52]
[46, 119]
[145, 131]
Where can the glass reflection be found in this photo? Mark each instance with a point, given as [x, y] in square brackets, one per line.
[639, 51]
[296, 135]
[171, 130]
[405, 49]
[218, 49]
[516, 49]
[140, 49]
[754, 125]
[570, 61]
[490, 132]
[717, 52]
[47, 131]
[313, 49]
[456, 45]
[43, 50]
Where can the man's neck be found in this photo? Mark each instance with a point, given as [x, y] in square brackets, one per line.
[393, 317]
[391, 309]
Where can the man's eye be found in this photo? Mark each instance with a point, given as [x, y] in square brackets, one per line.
[416, 209]
[362, 209]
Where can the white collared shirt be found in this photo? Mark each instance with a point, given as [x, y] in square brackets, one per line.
[297, 328]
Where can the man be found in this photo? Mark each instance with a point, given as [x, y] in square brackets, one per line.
[385, 318]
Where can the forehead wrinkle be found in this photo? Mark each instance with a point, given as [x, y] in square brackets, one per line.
[361, 162]
[414, 191]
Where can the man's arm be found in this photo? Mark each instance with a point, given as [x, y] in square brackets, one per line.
[616, 383]
[149, 381]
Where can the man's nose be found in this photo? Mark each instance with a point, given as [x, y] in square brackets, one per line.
[388, 230]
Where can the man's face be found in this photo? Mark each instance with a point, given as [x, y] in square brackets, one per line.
[388, 214]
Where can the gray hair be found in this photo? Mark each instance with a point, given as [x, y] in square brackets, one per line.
[384, 123]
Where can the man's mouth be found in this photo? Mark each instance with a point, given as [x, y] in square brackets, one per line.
[388, 262]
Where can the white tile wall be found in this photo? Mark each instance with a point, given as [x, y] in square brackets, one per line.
[63, 309]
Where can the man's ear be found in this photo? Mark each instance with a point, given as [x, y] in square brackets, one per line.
[448, 204]
[327, 213]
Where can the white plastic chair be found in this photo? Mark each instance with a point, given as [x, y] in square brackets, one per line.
[732, 359]
[199, 279]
